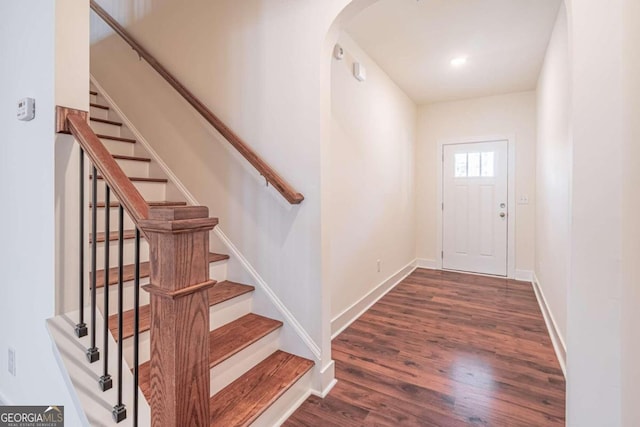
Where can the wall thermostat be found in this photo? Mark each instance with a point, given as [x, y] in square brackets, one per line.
[338, 52]
[26, 109]
[359, 72]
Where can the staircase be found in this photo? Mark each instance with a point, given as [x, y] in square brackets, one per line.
[252, 382]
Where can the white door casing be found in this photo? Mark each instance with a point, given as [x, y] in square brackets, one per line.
[475, 211]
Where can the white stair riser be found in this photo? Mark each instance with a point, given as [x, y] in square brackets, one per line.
[149, 190]
[99, 113]
[228, 311]
[105, 128]
[113, 219]
[218, 271]
[144, 350]
[128, 296]
[224, 313]
[286, 404]
[118, 147]
[134, 168]
[93, 98]
[129, 252]
[234, 367]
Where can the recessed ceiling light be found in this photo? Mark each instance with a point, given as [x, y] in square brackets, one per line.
[459, 61]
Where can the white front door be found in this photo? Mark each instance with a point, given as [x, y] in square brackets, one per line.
[475, 215]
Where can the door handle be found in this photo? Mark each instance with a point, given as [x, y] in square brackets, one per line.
[502, 214]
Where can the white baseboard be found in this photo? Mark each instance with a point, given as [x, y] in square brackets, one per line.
[344, 319]
[328, 380]
[524, 275]
[554, 332]
[431, 264]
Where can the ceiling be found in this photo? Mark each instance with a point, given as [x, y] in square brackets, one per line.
[414, 41]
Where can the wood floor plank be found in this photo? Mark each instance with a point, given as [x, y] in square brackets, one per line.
[445, 349]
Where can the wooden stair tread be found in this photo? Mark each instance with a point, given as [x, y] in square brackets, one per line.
[224, 342]
[139, 179]
[100, 106]
[129, 270]
[93, 92]
[226, 290]
[244, 400]
[220, 292]
[109, 122]
[235, 336]
[164, 203]
[116, 138]
[113, 236]
[134, 158]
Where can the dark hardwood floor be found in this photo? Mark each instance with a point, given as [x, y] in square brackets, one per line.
[444, 349]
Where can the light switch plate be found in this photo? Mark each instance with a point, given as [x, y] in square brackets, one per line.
[359, 72]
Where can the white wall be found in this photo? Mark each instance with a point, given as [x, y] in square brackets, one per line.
[71, 89]
[553, 175]
[504, 115]
[371, 180]
[261, 69]
[630, 316]
[27, 252]
[594, 301]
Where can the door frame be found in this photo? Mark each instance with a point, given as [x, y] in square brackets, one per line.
[511, 195]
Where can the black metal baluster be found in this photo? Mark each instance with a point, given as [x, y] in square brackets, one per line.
[136, 326]
[93, 355]
[81, 327]
[119, 411]
[105, 380]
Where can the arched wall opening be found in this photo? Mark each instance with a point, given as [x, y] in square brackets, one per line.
[329, 225]
[602, 379]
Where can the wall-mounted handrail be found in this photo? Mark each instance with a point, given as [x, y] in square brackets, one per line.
[271, 176]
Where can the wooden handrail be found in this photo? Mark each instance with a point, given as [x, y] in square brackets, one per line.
[114, 176]
[271, 176]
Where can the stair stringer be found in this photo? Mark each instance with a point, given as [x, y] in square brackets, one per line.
[92, 405]
[294, 338]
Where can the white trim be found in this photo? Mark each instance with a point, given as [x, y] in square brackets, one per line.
[328, 374]
[289, 317]
[524, 275]
[554, 332]
[293, 408]
[350, 314]
[511, 194]
[4, 401]
[430, 264]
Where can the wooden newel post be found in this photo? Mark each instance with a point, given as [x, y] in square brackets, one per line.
[179, 248]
